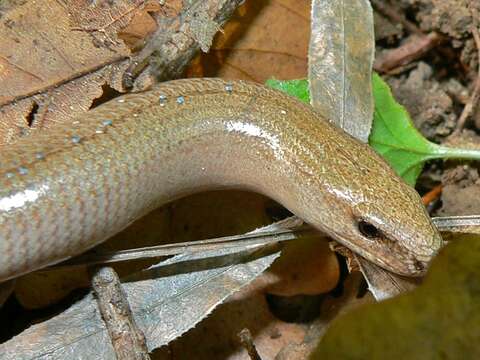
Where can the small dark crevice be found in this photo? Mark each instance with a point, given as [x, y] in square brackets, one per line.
[276, 212]
[338, 290]
[108, 93]
[295, 309]
[31, 115]
[362, 289]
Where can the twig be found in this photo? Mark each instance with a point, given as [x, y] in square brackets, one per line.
[247, 342]
[412, 50]
[288, 229]
[127, 339]
[472, 102]
[468, 224]
[170, 47]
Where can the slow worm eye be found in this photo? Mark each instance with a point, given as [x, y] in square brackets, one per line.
[368, 230]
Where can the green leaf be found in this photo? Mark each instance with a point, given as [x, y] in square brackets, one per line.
[395, 137]
[297, 88]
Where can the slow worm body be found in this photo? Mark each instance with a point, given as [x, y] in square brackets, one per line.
[64, 191]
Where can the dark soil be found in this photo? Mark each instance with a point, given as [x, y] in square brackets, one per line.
[435, 89]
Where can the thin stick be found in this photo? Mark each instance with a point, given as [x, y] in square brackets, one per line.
[412, 50]
[127, 339]
[418, 45]
[468, 224]
[247, 342]
[472, 102]
[288, 229]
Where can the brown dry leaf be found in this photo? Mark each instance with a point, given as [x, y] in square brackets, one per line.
[44, 110]
[54, 60]
[166, 301]
[384, 284]
[57, 57]
[141, 25]
[262, 39]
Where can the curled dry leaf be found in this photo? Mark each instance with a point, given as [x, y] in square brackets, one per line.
[340, 64]
[44, 110]
[384, 284]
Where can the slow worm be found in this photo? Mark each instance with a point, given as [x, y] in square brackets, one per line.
[66, 190]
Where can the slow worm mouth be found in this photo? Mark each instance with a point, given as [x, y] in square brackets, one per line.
[402, 262]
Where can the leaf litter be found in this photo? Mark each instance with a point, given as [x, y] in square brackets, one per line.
[167, 300]
[81, 52]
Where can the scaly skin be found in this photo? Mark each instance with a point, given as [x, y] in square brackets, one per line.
[67, 190]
